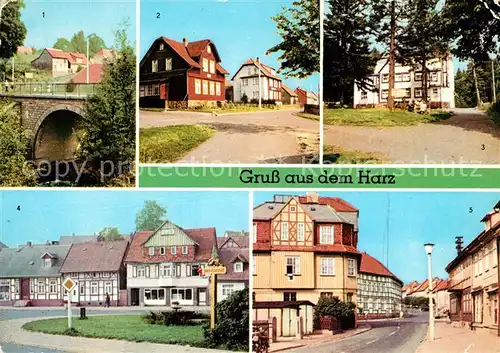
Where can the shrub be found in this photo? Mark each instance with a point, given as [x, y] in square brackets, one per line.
[342, 311]
[70, 87]
[244, 98]
[174, 318]
[494, 113]
[231, 329]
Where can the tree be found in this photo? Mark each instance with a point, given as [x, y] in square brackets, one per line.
[108, 122]
[78, 43]
[348, 59]
[109, 234]
[299, 29]
[12, 31]
[422, 38]
[150, 217]
[63, 44]
[14, 141]
[333, 306]
[233, 319]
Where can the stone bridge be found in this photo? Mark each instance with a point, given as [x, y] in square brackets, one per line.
[52, 123]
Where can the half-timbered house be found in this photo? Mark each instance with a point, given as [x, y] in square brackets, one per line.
[233, 253]
[165, 266]
[29, 275]
[98, 269]
[181, 74]
[304, 248]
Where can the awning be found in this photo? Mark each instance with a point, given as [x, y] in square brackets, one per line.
[477, 289]
[493, 289]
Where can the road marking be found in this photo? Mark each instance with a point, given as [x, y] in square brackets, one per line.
[372, 341]
[470, 346]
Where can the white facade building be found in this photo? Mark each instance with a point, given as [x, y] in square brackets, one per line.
[246, 82]
[408, 84]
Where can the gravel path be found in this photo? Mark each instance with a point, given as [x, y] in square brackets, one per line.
[466, 138]
[257, 137]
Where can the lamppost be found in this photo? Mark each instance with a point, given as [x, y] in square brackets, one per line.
[428, 250]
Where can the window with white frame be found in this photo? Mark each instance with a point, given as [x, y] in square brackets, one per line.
[217, 88]
[255, 94]
[435, 92]
[418, 76]
[151, 251]
[181, 294]
[205, 65]
[227, 289]
[351, 267]
[141, 271]
[53, 286]
[197, 86]
[32, 286]
[434, 76]
[385, 93]
[256, 81]
[162, 46]
[82, 289]
[41, 286]
[326, 234]
[173, 250]
[94, 288]
[168, 64]
[142, 91]
[327, 266]
[284, 230]
[300, 232]
[195, 270]
[184, 250]
[4, 289]
[205, 87]
[254, 233]
[166, 270]
[108, 288]
[244, 82]
[48, 262]
[293, 265]
[209, 49]
[212, 88]
[212, 66]
[418, 92]
[385, 78]
[154, 65]
[238, 267]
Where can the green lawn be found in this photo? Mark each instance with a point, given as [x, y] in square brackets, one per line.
[122, 327]
[380, 117]
[336, 155]
[169, 143]
[308, 116]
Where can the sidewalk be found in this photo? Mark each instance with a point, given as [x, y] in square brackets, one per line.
[102, 308]
[285, 343]
[11, 332]
[450, 339]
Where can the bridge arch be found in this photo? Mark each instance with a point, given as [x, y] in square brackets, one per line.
[53, 135]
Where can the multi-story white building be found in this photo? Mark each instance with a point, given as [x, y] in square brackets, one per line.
[246, 82]
[408, 84]
[379, 290]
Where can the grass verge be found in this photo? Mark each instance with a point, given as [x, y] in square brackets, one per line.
[308, 116]
[121, 327]
[169, 143]
[335, 155]
[380, 117]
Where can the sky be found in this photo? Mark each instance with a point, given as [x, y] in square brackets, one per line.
[240, 29]
[48, 20]
[46, 215]
[413, 219]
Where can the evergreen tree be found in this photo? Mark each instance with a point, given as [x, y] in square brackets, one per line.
[422, 38]
[348, 59]
[108, 139]
[14, 141]
[299, 29]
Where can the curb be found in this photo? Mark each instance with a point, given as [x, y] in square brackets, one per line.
[287, 348]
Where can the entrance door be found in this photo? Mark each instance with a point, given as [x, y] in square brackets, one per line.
[289, 322]
[163, 91]
[25, 288]
[202, 297]
[134, 296]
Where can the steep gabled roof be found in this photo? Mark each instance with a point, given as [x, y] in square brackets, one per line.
[180, 49]
[371, 265]
[76, 239]
[95, 74]
[97, 256]
[228, 257]
[289, 90]
[265, 70]
[336, 203]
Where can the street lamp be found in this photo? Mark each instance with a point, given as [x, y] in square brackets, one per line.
[428, 250]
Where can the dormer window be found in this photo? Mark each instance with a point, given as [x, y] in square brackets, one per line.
[209, 49]
[205, 64]
[238, 267]
[48, 262]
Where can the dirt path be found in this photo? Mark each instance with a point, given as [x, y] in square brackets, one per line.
[466, 138]
[259, 137]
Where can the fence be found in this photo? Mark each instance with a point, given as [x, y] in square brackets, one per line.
[49, 89]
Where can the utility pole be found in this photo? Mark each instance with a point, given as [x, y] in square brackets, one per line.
[13, 61]
[88, 60]
[493, 83]
[260, 85]
[392, 57]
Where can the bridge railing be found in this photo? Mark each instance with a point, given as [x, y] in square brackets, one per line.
[50, 89]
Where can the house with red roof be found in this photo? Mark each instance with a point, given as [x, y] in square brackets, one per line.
[97, 268]
[306, 97]
[59, 62]
[94, 76]
[304, 247]
[379, 290]
[233, 253]
[248, 82]
[165, 266]
[181, 74]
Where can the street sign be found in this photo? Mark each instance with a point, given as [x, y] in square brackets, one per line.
[28, 74]
[69, 284]
[214, 270]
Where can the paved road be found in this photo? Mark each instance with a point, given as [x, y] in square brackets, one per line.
[258, 137]
[467, 137]
[395, 336]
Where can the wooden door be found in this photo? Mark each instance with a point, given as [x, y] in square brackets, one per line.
[25, 288]
[289, 322]
[163, 91]
[202, 297]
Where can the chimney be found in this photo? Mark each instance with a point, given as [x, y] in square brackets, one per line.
[185, 41]
[312, 197]
[459, 242]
